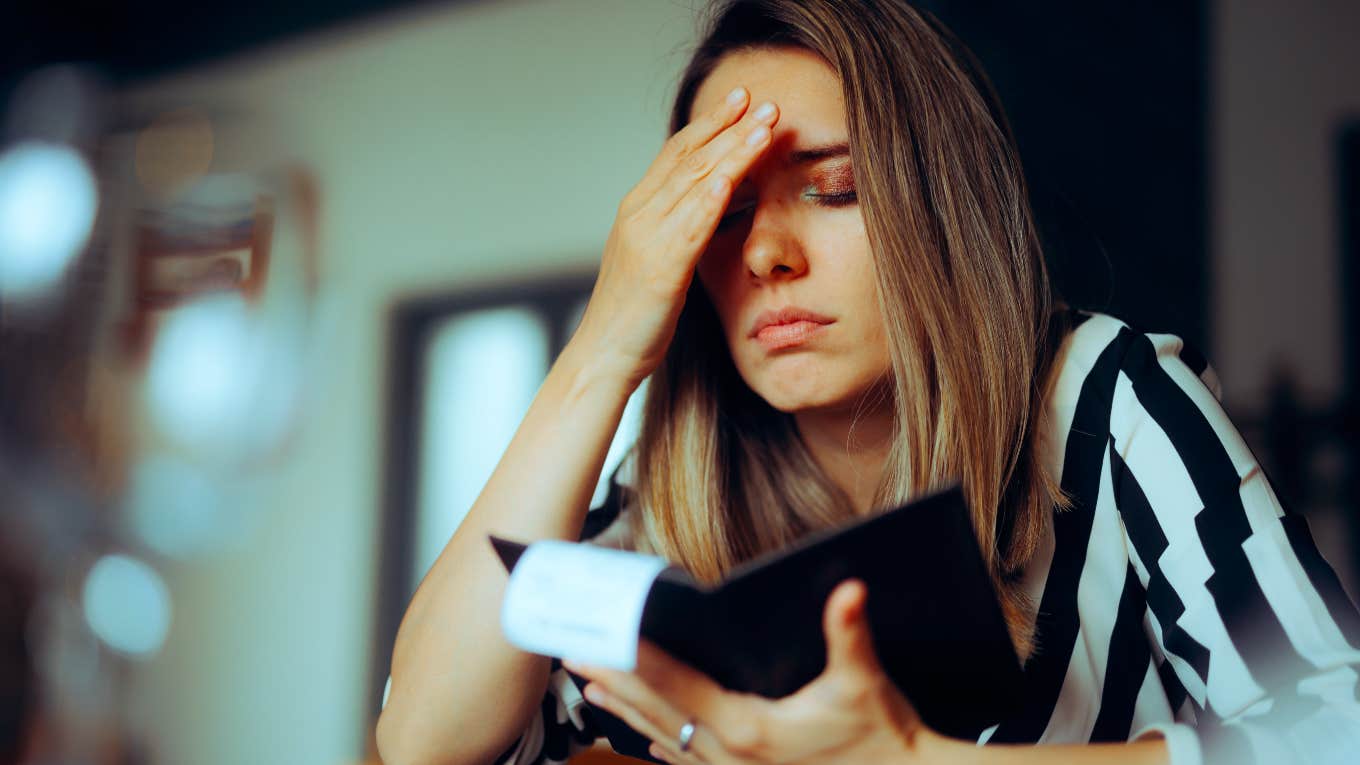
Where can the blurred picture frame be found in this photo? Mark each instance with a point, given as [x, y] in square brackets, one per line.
[192, 250]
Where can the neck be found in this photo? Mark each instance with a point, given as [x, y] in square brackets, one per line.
[852, 446]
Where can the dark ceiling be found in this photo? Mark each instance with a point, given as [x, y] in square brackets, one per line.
[141, 38]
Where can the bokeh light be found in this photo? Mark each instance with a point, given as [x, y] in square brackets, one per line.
[200, 373]
[176, 507]
[127, 605]
[48, 200]
[222, 382]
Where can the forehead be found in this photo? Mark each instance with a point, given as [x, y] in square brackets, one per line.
[801, 82]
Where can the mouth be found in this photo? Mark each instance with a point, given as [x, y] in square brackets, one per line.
[787, 327]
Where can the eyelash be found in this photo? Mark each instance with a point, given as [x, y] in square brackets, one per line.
[840, 199]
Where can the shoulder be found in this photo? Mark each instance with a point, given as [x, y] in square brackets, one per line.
[1107, 377]
[1100, 349]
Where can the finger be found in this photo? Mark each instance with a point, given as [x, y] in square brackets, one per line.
[849, 641]
[691, 225]
[695, 217]
[662, 695]
[671, 754]
[626, 689]
[730, 154]
[621, 707]
[687, 688]
[732, 727]
[689, 139]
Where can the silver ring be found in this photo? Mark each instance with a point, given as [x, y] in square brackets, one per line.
[686, 735]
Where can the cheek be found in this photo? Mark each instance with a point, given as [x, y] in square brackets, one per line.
[859, 288]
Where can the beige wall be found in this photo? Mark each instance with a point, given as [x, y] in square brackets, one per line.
[453, 145]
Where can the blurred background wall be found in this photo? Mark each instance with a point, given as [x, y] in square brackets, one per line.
[1284, 257]
[455, 146]
[1286, 81]
[472, 147]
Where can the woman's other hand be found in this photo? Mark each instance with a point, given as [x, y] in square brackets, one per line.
[662, 228]
[852, 712]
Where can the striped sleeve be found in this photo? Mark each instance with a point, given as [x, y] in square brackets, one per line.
[563, 725]
[561, 728]
[1254, 626]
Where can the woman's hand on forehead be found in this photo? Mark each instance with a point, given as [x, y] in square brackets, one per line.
[663, 226]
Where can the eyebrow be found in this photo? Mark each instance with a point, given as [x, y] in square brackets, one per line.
[816, 153]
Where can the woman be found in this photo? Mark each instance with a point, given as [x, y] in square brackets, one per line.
[871, 320]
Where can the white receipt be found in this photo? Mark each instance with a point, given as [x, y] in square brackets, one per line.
[579, 602]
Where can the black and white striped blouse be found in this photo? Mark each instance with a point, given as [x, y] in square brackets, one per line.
[1177, 596]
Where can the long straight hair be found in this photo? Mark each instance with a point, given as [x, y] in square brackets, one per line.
[964, 294]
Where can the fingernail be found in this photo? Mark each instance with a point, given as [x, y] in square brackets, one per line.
[758, 136]
[765, 111]
[736, 96]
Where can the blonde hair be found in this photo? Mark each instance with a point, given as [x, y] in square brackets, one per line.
[964, 294]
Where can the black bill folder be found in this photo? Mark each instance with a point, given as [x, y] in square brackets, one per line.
[936, 623]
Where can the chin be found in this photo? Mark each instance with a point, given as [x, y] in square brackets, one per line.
[799, 382]
[810, 387]
[792, 399]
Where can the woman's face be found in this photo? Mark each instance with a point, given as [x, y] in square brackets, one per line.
[789, 269]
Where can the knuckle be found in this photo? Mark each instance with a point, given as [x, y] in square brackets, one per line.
[696, 164]
[700, 125]
[691, 235]
[711, 122]
[630, 220]
[858, 692]
[730, 172]
[679, 145]
[745, 737]
[857, 695]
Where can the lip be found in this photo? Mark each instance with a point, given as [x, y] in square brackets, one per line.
[787, 327]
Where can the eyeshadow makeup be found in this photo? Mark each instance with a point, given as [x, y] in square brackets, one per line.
[832, 185]
[833, 180]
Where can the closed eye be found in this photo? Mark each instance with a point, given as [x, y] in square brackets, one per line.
[839, 199]
[835, 200]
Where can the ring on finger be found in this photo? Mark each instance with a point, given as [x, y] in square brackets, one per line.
[686, 735]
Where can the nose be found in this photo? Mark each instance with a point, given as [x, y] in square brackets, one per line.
[771, 253]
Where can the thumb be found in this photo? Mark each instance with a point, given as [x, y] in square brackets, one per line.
[849, 643]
